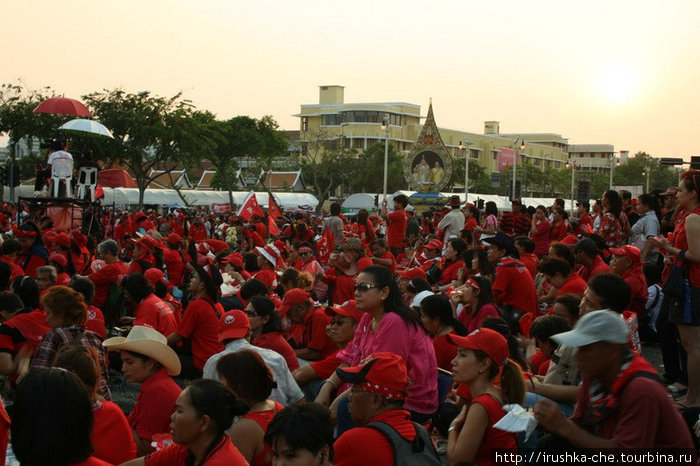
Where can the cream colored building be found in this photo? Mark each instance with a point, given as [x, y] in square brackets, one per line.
[359, 125]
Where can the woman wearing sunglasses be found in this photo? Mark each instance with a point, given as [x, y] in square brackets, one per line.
[388, 325]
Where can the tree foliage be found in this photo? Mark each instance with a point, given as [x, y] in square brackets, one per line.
[368, 174]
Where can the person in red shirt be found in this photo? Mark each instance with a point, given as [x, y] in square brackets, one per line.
[95, 319]
[149, 310]
[584, 226]
[483, 358]
[301, 435]
[309, 338]
[59, 262]
[266, 329]
[149, 361]
[111, 274]
[560, 225]
[586, 254]
[397, 223]
[381, 255]
[174, 260]
[268, 261]
[439, 321]
[513, 286]
[9, 250]
[345, 266]
[626, 263]
[200, 322]
[379, 388]
[32, 254]
[526, 248]
[453, 267]
[198, 232]
[143, 256]
[560, 275]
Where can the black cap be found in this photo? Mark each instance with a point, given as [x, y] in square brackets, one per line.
[501, 240]
[585, 245]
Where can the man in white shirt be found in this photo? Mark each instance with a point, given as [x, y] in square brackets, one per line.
[454, 221]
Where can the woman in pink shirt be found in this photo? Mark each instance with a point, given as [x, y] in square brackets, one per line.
[388, 326]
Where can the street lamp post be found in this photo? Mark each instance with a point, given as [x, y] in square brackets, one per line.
[515, 160]
[385, 128]
[612, 165]
[466, 168]
[573, 169]
[648, 170]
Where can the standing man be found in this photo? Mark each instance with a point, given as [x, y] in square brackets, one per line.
[334, 225]
[412, 225]
[454, 221]
[396, 222]
[515, 223]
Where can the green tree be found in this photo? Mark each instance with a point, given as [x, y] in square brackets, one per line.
[476, 172]
[149, 132]
[634, 173]
[370, 170]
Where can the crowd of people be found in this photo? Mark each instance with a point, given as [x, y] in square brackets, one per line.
[303, 339]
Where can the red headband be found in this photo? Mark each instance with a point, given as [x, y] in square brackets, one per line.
[474, 284]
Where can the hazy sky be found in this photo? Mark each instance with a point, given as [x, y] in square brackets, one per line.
[619, 72]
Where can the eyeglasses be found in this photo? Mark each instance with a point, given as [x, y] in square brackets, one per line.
[339, 322]
[363, 287]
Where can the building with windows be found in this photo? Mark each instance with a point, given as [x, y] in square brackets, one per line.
[359, 125]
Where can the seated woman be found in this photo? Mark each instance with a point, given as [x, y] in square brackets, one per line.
[111, 435]
[438, 320]
[266, 329]
[59, 396]
[246, 375]
[301, 434]
[203, 412]
[473, 302]
[453, 267]
[481, 356]
[149, 361]
[66, 314]
[161, 289]
[148, 309]
[341, 331]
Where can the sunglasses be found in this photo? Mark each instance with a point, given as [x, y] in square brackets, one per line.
[363, 287]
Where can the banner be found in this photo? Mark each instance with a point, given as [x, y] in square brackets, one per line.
[273, 212]
[221, 208]
[506, 158]
[250, 207]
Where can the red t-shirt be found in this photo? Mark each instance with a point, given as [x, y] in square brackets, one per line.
[96, 321]
[153, 312]
[110, 274]
[397, 229]
[268, 277]
[493, 438]
[514, 285]
[324, 368]
[201, 325]
[312, 334]
[276, 342]
[364, 445]
[445, 352]
[390, 256]
[174, 266]
[111, 435]
[362, 264]
[597, 267]
[449, 272]
[92, 461]
[472, 323]
[638, 286]
[154, 405]
[263, 419]
[530, 261]
[223, 454]
[343, 289]
[573, 285]
[198, 232]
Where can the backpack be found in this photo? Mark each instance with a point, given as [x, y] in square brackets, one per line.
[418, 452]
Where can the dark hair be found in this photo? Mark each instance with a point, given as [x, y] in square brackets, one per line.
[512, 382]
[401, 199]
[526, 243]
[210, 277]
[485, 266]
[438, 306]
[570, 303]
[691, 180]
[614, 292]
[562, 250]
[85, 287]
[265, 307]
[393, 302]
[381, 242]
[614, 202]
[247, 375]
[250, 262]
[501, 326]
[51, 419]
[545, 326]
[210, 398]
[490, 209]
[559, 201]
[160, 289]
[335, 208]
[562, 212]
[253, 287]
[652, 273]
[10, 302]
[28, 291]
[5, 274]
[485, 295]
[362, 217]
[552, 267]
[416, 285]
[304, 426]
[475, 212]
[30, 226]
[137, 286]
[652, 202]
[458, 245]
[10, 246]
[82, 361]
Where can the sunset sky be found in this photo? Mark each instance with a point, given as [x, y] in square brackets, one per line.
[611, 72]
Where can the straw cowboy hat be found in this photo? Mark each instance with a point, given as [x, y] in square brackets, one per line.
[149, 342]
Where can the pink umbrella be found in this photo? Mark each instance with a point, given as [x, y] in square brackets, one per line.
[62, 106]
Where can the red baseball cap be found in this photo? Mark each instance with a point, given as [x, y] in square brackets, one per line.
[233, 325]
[415, 272]
[382, 373]
[235, 259]
[173, 238]
[484, 339]
[628, 251]
[569, 239]
[63, 239]
[145, 242]
[60, 259]
[435, 244]
[347, 309]
[154, 276]
[293, 297]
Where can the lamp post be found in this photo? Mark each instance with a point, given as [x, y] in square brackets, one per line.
[648, 170]
[573, 170]
[385, 128]
[466, 168]
[515, 160]
[612, 165]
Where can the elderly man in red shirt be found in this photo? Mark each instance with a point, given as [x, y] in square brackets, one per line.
[111, 274]
[626, 263]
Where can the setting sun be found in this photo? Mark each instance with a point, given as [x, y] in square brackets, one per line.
[619, 84]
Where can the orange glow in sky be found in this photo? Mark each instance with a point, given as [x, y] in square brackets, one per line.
[608, 72]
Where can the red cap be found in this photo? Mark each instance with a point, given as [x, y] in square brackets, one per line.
[293, 297]
[347, 309]
[60, 259]
[235, 259]
[415, 272]
[145, 242]
[233, 325]
[435, 244]
[173, 238]
[63, 239]
[19, 233]
[484, 339]
[217, 245]
[569, 239]
[79, 239]
[630, 252]
[382, 373]
[49, 237]
[154, 276]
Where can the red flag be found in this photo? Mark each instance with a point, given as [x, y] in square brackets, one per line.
[273, 212]
[250, 207]
[325, 246]
[99, 192]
